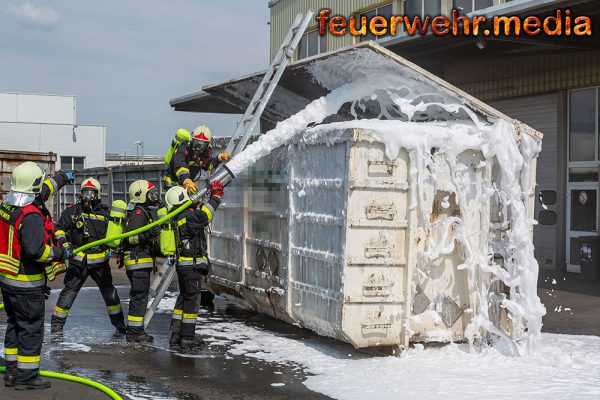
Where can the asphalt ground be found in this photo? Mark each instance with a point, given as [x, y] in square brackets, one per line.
[89, 349]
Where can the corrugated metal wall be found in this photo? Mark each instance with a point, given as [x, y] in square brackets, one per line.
[541, 113]
[284, 12]
[115, 183]
[489, 79]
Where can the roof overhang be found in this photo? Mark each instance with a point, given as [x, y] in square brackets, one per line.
[298, 86]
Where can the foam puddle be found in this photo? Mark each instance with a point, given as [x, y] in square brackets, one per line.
[407, 106]
[566, 367]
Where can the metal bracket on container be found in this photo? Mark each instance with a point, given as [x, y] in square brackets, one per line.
[378, 246]
[382, 167]
[377, 287]
[380, 210]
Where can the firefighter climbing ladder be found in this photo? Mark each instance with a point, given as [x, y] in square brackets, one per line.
[244, 129]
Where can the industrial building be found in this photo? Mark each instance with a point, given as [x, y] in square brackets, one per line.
[48, 123]
[548, 82]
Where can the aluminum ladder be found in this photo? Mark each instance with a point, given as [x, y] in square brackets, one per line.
[242, 133]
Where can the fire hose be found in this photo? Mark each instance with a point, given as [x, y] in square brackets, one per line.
[72, 378]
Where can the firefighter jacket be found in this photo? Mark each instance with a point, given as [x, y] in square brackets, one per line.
[140, 250]
[183, 167]
[192, 249]
[79, 227]
[28, 254]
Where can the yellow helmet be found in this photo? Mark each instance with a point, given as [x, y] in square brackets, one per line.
[142, 191]
[176, 196]
[27, 178]
[91, 183]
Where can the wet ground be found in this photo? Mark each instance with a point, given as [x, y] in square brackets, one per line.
[89, 349]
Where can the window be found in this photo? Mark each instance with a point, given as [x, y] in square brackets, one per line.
[74, 163]
[582, 125]
[467, 6]
[311, 44]
[422, 8]
[384, 11]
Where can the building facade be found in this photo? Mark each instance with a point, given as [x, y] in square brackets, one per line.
[48, 123]
[550, 83]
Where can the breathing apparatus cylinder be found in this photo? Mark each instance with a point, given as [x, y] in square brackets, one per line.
[167, 239]
[181, 136]
[118, 212]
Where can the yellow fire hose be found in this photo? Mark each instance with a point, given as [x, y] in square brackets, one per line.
[72, 378]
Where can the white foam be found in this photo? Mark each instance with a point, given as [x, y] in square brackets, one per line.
[567, 367]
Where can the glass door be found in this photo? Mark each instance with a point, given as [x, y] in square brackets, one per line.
[582, 186]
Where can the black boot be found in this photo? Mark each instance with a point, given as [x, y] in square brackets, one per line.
[140, 338]
[35, 384]
[174, 340]
[191, 343]
[121, 329]
[57, 325]
[10, 376]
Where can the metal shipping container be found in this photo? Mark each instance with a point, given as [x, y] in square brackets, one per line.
[321, 233]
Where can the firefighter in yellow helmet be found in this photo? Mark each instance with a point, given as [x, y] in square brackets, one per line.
[192, 261]
[80, 224]
[191, 158]
[29, 257]
[139, 252]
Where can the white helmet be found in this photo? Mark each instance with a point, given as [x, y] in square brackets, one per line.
[202, 133]
[141, 191]
[27, 178]
[176, 196]
[26, 183]
[91, 184]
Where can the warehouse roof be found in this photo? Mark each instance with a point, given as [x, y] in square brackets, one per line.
[298, 86]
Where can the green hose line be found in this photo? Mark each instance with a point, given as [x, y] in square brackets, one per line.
[72, 378]
[225, 176]
[1, 306]
[135, 231]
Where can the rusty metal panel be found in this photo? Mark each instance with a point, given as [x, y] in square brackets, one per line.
[10, 159]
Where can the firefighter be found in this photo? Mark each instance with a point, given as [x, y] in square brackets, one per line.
[80, 224]
[28, 259]
[191, 261]
[191, 157]
[138, 258]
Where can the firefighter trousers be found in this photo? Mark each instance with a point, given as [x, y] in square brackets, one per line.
[24, 332]
[185, 313]
[138, 299]
[74, 280]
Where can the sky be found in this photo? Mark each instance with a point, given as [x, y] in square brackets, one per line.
[125, 59]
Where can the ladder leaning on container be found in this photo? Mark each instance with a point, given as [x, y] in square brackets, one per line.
[244, 128]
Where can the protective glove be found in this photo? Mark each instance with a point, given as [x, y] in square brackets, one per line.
[216, 188]
[225, 156]
[47, 291]
[70, 177]
[190, 186]
[68, 250]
